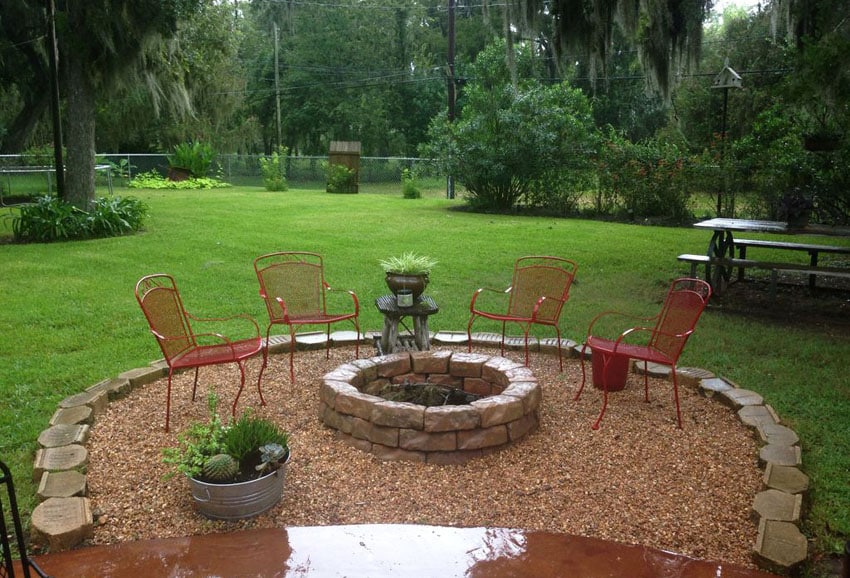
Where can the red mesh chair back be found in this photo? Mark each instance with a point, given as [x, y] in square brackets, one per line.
[160, 301]
[536, 276]
[293, 287]
[539, 289]
[297, 279]
[682, 308]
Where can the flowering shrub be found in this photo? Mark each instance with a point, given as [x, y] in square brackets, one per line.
[646, 179]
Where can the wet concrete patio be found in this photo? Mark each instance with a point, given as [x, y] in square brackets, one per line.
[376, 551]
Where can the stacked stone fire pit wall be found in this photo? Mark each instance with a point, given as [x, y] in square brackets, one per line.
[444, 434]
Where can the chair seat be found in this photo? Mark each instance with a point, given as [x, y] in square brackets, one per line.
[219, 353]
[631, 350]
[317, 318]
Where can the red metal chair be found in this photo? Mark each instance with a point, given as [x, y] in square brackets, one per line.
[292, 284]
[538, 292]
[171, 325]
[660, 339]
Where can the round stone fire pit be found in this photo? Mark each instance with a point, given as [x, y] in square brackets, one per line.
[441, 434]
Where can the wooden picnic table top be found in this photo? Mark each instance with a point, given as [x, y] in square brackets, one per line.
[726, 224]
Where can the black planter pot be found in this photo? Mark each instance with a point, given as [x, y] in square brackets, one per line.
[415, 283]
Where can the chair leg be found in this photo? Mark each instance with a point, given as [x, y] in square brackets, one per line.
[560, 355]
[526, 346]
[646, 381]
[606, 363]
[195, 384]
[260, 390]
[328, 344]
[503, 341]
[265, 362]
[292, 355]
[168, 399]
[357, 339]
[676, 396]
[241, 387]
[583, 372]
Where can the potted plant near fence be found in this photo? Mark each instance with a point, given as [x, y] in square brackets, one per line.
[408, 271]
[234, 471]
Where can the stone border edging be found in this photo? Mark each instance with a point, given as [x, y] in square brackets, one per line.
[64, 518]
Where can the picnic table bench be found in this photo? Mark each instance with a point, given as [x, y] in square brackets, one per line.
[773, 266]
[720, 258]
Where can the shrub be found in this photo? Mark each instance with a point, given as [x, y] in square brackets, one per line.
[51, 219]
[274, 171]
[341, 179]
[195, 156]
[153, 180]
[409, 188]
[647, 179]
[509, 136]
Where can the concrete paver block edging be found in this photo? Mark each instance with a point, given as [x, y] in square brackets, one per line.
[780, 546]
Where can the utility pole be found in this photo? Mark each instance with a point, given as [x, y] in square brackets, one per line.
[277, 84]
[53, 55]
[450, 183]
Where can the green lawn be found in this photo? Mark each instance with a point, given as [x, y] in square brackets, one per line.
[69, 318]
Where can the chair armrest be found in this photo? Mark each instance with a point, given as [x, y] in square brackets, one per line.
[539, 304]
[230, 318]
[608, 314]
[488, 290]
[350, 292]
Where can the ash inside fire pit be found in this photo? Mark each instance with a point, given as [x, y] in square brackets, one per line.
[427, 394]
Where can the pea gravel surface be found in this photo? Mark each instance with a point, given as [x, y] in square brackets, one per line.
[638, 479]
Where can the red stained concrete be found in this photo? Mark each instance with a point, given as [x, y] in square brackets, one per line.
[376, 551]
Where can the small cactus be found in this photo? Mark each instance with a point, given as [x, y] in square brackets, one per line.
[221, 468]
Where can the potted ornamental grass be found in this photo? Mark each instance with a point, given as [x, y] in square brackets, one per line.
[234, 470]
[408, 271]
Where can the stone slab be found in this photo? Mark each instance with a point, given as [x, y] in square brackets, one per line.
[774, 433]
[63, 458]
[757, 415]
[738, 398]
[781, 455]
[115, 388]
[96, 400]
[777, 505]
[713, 385]
[346, 337]
[780, 546]
[450, 337]
[62, 523]
[143, 375]
[63, 435]
[786, 478]
[654, 370]
[72, 415]
[62, 485]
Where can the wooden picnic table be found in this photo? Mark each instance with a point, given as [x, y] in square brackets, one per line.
[720, 258]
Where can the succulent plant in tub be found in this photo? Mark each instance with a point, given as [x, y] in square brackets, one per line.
[408, 271]
[236, 470]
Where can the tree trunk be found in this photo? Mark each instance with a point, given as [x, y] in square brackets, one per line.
[79, 135]
[21, 128]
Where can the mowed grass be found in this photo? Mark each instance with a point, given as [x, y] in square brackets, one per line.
[69, 318]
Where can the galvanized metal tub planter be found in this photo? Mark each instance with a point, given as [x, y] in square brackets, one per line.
[239, 500]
